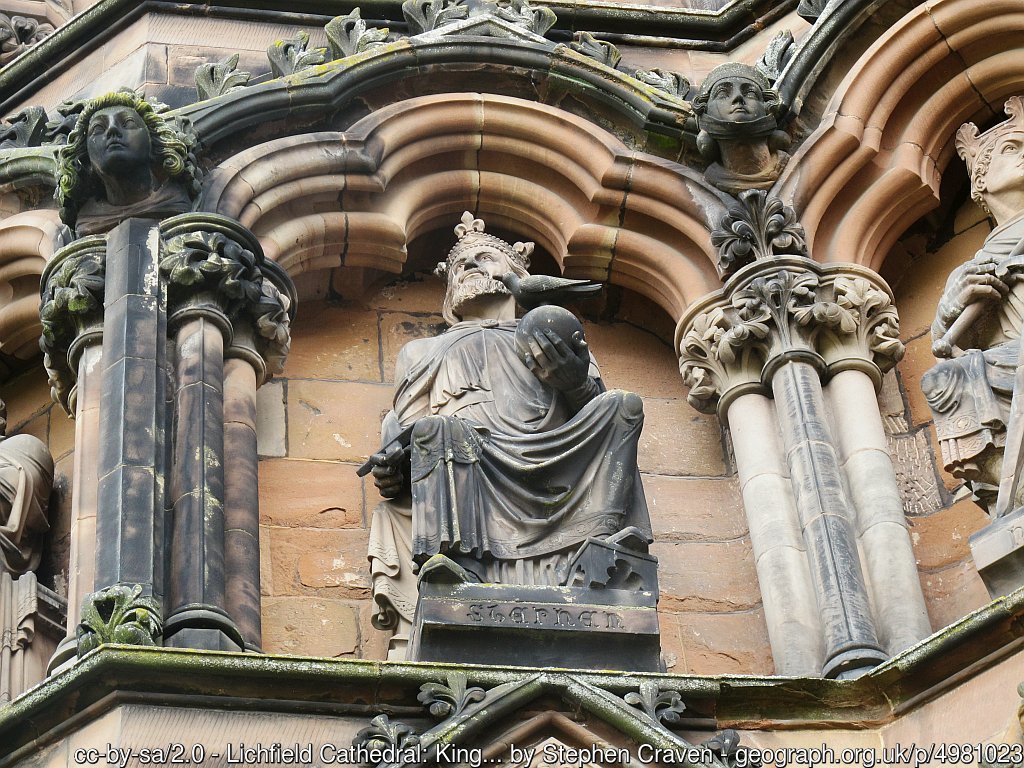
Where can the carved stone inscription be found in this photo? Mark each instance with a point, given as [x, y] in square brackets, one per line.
[548, 617]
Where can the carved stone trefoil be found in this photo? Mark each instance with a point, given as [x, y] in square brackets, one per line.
[660, 706]
[119, 614]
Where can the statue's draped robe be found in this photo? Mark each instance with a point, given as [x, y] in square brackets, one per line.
[505, 479]
[970, 394]
[26, 477]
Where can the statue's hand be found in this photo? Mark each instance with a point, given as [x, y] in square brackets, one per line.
[387, 471]
[557, 364]
[977, 281]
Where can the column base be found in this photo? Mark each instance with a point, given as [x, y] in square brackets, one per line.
[65, 655]
[204, 627]
[853, 662]
[998, 551]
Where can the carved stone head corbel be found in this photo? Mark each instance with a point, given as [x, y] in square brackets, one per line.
[123, 159]
[738, 133]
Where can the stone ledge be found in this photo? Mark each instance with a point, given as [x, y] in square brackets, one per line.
[235, 680]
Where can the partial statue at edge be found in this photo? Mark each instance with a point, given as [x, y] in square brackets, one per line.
[738, 132]
[124, 159]
[504, 452]
[979, 319]
[26, 477]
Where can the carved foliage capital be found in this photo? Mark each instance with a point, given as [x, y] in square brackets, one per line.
[839, 316]
[213, 263]
[71, 306]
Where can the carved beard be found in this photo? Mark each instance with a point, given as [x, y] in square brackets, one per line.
[474, 286]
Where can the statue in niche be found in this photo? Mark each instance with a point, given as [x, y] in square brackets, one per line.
[738, 134]
[26, 477]
[123, 159]
[978, 321]
[503, 452]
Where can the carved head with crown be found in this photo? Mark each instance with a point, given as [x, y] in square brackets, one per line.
[995, 161]
[474, 268]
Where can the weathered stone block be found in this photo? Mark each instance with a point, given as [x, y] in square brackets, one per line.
[309, 626]
[952, 593]
[679, 441]
[725, 643]
[694, 509]
[335, 420]
[310, 494]
[941, 539]
[635, 360]
[271, 426]
[331, 342]
[707, 576]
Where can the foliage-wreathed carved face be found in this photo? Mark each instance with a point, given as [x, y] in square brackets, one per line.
[118, 141]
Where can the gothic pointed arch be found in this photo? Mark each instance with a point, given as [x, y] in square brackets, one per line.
[357, 197]
[875, 163]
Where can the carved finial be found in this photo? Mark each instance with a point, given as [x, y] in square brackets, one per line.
[348, 35]
[220, 78]
[292, 55]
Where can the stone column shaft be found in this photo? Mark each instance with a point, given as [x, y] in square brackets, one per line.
[787, 592]
[825, 518]
[131, 440]
[881, 527]
[197, 604]
[241, 501]
[85, 480]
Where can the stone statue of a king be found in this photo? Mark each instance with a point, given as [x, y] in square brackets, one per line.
[979, 319]
[504, 452]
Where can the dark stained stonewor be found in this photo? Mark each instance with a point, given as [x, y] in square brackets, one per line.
[129, 527]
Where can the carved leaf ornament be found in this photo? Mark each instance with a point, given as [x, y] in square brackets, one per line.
[348, 35]
[661, 706]
[756, 227]
[216, 260]
[217, 79]
[449, 700]
[119, 614]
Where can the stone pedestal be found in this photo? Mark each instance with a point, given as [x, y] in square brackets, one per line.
[606, 618]
[998, 551]
[537, 626]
